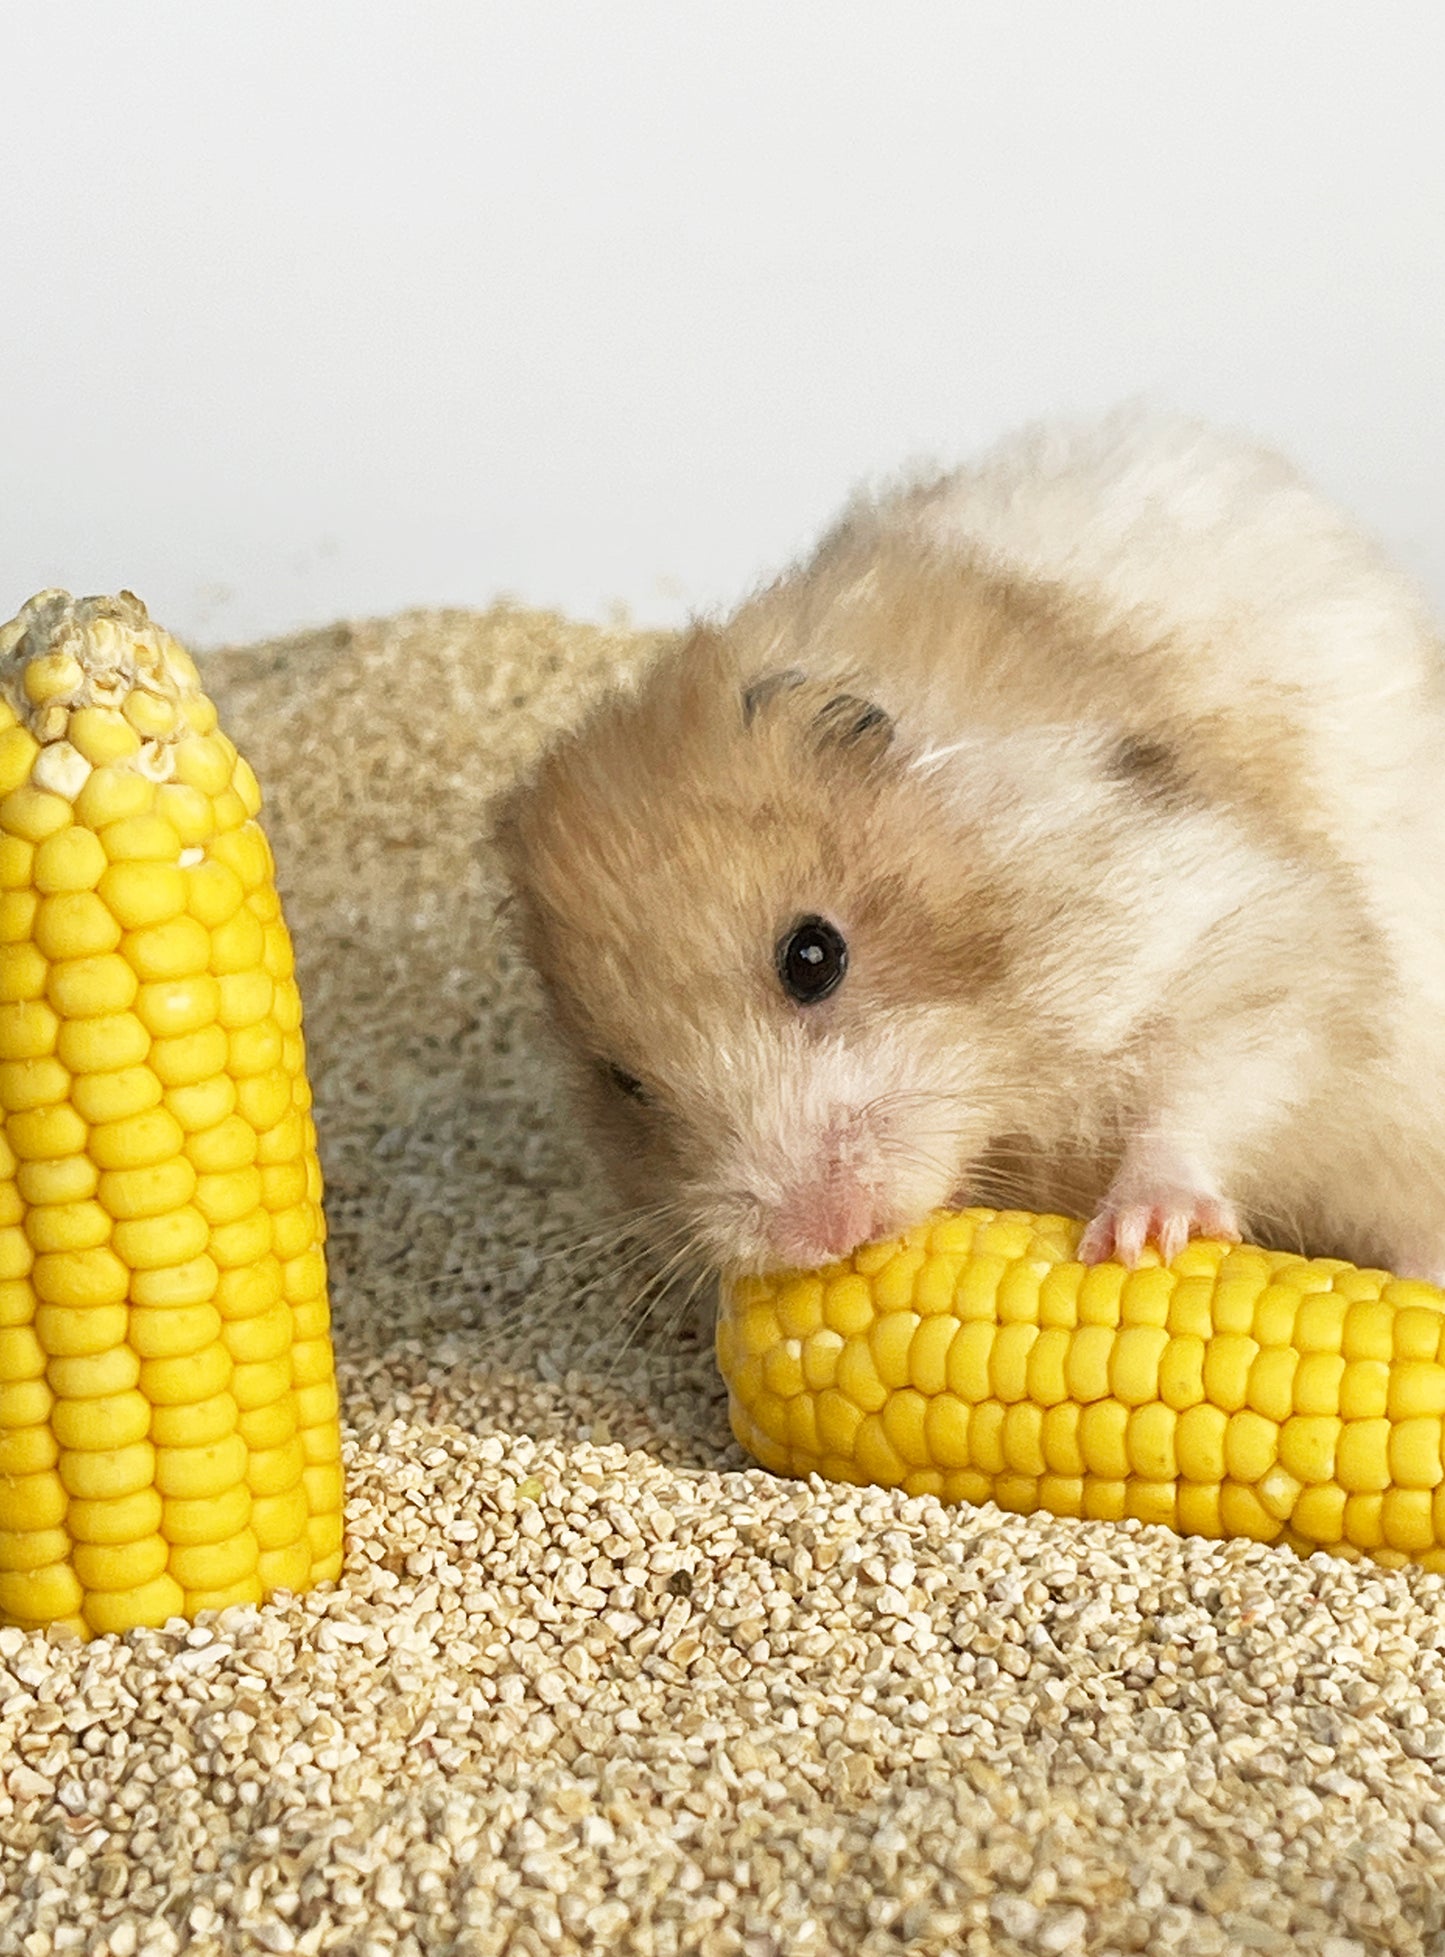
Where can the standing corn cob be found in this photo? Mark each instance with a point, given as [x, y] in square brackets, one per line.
[168, 1422]
[1239, 1392]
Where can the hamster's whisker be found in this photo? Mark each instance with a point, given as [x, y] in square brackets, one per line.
[647, 1301]
[596, 1234]
[557, 1295]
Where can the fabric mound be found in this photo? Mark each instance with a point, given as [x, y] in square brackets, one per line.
[591, 1683]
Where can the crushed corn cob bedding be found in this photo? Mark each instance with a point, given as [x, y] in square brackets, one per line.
[593, 1683]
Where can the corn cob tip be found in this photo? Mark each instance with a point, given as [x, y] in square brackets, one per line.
[95, 681]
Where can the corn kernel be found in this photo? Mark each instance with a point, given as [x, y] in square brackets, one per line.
[1414, 1453]
[1271, 1382]
[927, 1354]
[98, 1376]
[33, 813]
[254, 1049]
[137, 1141]
[72, 860]
[109, 1098]
[1105, 1501]
[857, 1377]
[847, 1306]
[18, 749]
[239, 946]
[799, 1303]
[190, 1282]
[118, 1519]
[24, 973]
[985, 1436]
[1320, 1324]
[1251, 1445]
[821, 1350]
[1417, 1388]
[904, 1414]
[159, 1242]
[103, 735]
[1244, 1514]
[1137, 1352]
[144, 1604]
[1023, 1422]
[194, 1472]
[1103, 1426]
[193, 1059]
[211, 1519]
[1149, 1443]
[17, 916]
[140, 839]
[1364, 1522]
[1317, 1383]
[888, 1341]
[152, 1190]
[17, 863]
[187, 811]
[1087, 1367]
[177, 949]
[96, 1474]
[26, 1084]
[174, 1006]
[1362, 1458]
[1008, 1359]
[27, 1451]
[1100, 1295]
[1417, 1327]
[120, 1566]
[83, 988]
[80, 1277]
[101, 1426]
[195, 1423]
[201, 764]
[151, 717]
[280, 1519]
[39, 1596]
[173, 1332]
[35, 1501]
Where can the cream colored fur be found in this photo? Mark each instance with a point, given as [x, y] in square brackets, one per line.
[1144, 895]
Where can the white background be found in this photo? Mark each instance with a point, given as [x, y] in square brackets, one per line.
[319, 309]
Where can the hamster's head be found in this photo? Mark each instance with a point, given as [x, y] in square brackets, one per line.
[766, 948]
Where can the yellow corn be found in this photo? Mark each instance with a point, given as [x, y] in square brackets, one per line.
[1237, 1392]
[169, 1438]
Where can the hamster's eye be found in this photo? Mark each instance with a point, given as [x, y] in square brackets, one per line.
[812, 959]
[624, 1082]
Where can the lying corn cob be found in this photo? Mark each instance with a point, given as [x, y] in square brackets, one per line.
[168, 1421]
[1239, 1392]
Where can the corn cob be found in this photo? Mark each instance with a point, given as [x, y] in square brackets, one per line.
[168, 1420]
[1237, 1392]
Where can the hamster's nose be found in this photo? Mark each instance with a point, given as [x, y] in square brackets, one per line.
[823, 1221]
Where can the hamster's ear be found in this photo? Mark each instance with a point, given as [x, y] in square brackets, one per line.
[760, 692]
[860, 726]
[830, 721]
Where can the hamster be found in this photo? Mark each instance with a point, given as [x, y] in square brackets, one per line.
[1065, 832]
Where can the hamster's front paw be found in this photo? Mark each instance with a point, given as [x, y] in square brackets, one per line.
[1165, 1217]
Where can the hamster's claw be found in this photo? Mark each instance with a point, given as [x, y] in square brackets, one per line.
[1121, 1229]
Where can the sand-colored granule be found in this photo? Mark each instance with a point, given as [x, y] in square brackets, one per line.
[592, 1685]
